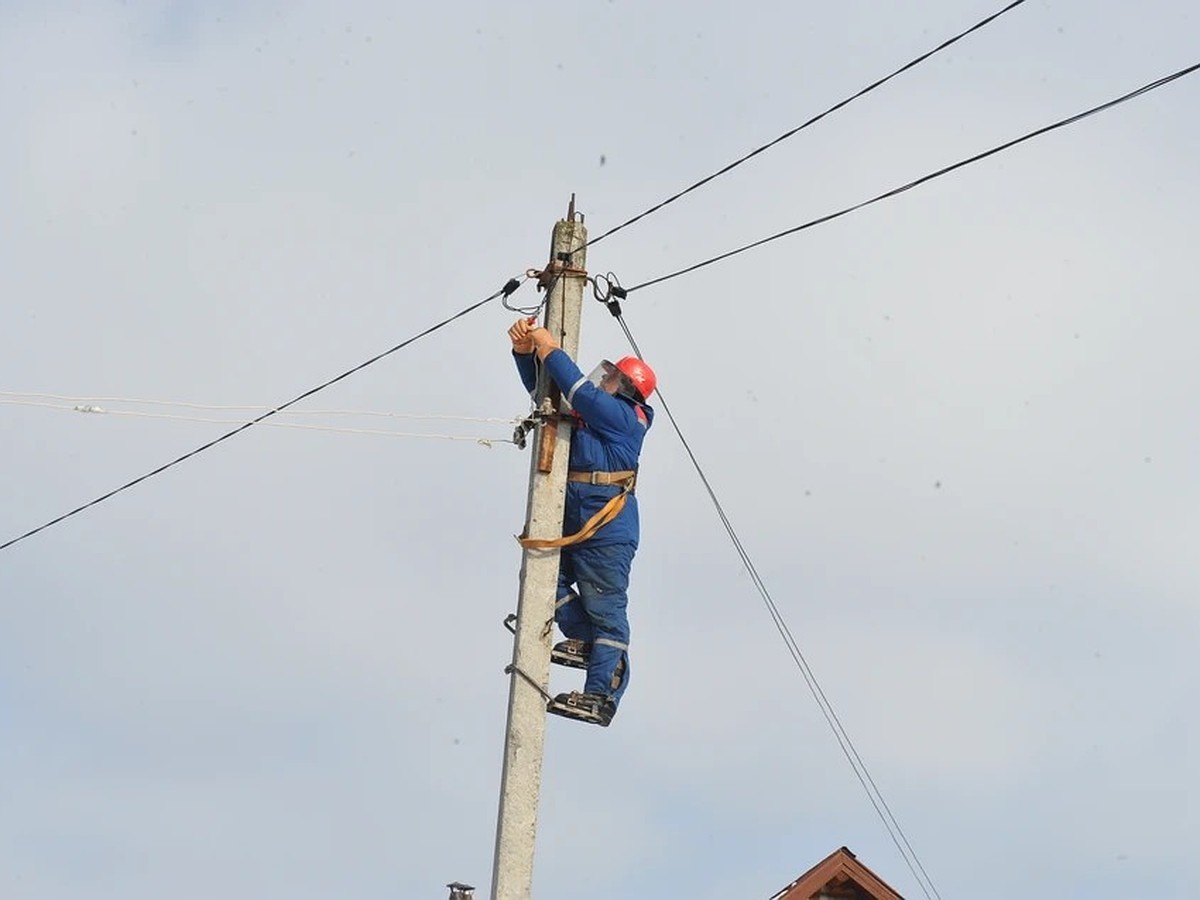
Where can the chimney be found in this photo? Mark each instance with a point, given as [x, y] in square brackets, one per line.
[460, 891]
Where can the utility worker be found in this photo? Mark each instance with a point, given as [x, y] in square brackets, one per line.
[612, 419]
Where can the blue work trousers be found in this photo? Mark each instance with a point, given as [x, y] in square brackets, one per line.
[592, 585]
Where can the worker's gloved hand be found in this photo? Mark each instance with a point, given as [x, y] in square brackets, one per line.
[519, 335]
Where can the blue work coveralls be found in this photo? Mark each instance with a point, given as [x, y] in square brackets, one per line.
[593, 575]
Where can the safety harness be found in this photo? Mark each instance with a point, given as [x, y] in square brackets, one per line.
[602, 517]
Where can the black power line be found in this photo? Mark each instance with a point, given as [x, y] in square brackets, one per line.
[846, 744]
[783, 137]
[505, 291]
[1070, 120]
[513, 284]
[839, 732]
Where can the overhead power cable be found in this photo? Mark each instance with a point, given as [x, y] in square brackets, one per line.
[787, 134]
[505, 291]
[874, 795]
[514, 283]
[1062, 123]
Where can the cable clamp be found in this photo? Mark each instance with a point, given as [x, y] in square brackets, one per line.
[607, 289]
[542, 416]
[510, 288]
[555, 269]
[522, 430]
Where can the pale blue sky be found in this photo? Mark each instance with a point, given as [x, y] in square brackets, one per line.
[954, 430]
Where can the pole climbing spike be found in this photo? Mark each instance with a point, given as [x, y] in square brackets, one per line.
[594, 709]
[571, 652]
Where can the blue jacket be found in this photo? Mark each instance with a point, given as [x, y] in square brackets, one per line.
[607, 439]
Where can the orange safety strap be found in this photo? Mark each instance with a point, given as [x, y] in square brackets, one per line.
[603, 516]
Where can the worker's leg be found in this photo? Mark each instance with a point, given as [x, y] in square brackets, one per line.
[568, 611]
[602, 577]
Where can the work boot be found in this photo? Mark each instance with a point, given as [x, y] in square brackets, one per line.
[595, 709]
[571, 652]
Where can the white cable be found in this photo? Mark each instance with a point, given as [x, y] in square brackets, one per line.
[99, 410]
[248, 408]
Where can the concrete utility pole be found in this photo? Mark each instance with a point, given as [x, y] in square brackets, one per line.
[520, 782]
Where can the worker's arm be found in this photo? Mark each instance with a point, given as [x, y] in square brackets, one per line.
[527, 369]
[600, 410]
[542, 341]
[522, 348]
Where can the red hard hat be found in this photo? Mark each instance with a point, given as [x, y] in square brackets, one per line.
[639, 373]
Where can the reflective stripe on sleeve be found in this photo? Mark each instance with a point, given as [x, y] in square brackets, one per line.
[574, 388]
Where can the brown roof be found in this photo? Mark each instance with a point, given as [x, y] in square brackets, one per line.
[838, 875]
